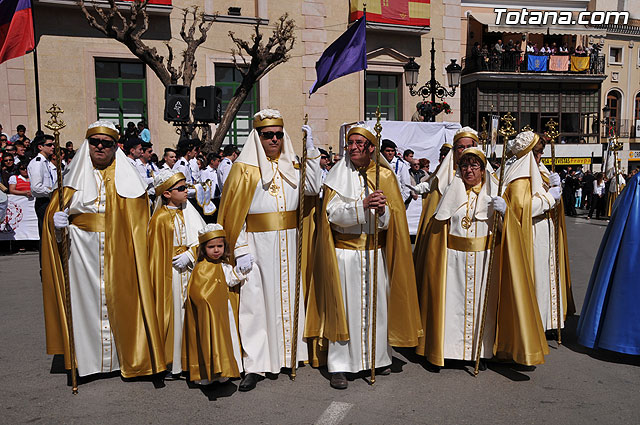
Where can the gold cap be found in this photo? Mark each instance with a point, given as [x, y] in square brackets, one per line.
[167, 184]
[477, 152]
[212, 235]
[465, 134]
[103, 130]
[267, 122]
[364, 133]
[526, 150]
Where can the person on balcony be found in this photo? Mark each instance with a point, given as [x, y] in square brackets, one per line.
[485, 57]
[476, 57]
[563, 50]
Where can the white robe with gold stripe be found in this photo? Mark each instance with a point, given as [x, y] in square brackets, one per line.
[356, 278]
[94, 342]
[266, 313]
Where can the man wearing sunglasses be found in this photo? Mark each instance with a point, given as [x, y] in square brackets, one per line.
[43, 176]
[258, 210]
[105, 217]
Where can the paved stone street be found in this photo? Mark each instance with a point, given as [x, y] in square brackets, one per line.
[574, 386]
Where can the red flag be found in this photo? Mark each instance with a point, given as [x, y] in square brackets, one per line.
[16, 29]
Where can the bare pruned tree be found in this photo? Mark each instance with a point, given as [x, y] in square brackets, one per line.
[264, 57]
[129, 27]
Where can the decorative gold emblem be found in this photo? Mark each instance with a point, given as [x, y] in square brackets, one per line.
[466, 222]
[273, 189]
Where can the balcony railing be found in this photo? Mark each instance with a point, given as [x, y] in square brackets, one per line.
[518, 62]
[621, 127]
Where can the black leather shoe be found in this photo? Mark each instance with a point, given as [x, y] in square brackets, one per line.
[339, 381]
[171, 376]
[482, 366]
[384, 371]
[249, 382]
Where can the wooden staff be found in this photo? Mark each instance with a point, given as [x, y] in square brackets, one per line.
[552, 133]
[376, 219]
[296, 308]
[56, 125]
[506, 132]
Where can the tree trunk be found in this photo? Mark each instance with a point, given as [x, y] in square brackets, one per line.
[227, 119]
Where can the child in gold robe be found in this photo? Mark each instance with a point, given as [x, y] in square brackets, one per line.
[173, 240]
[211, 347]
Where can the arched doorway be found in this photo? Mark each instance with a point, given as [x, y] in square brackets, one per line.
[614, 102]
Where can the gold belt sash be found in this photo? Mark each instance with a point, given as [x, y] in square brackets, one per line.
[269, 222]
[459, 243]
[177, 250]
[359, 242]
[89, 222]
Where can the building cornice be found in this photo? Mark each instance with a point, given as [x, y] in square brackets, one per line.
[157, 9]
[499, 77]
[232, 19]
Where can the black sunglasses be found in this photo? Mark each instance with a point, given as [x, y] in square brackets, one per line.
[180, 188]
[8, 159]
[48, 144]
[269, 134]
[324, 157]
[94, 141]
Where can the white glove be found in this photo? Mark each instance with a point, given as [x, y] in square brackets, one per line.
[244, 263]
[61, 219]
[181, 261]
[420, 188]
[309, 133]
[556, 192]
[191, 193]
[498, 204]
[554, 179]
[241, 276]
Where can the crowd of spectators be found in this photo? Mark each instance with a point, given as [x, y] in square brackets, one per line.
[512, 56]
[587, 191]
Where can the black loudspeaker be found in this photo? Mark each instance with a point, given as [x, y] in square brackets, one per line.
[208, 104]
[176, 103]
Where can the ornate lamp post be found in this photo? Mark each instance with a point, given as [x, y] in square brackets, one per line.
[432, 87]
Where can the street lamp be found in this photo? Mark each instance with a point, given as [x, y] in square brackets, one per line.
[432, 87]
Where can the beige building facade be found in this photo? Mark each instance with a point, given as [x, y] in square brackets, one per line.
[568, 96]
[91, 77]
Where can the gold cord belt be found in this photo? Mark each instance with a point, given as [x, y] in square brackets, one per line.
[459, 243]
[89, 222]
[359, 242]
[269, 222]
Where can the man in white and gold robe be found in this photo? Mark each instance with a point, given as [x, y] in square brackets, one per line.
[259, 211]
[341, 302]
[105, 216]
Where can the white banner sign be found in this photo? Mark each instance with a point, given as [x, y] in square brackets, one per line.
[21, 222]
[425, 140]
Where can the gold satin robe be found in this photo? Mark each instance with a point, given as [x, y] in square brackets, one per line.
[208, 341]
[519, 333]
[129, 296]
